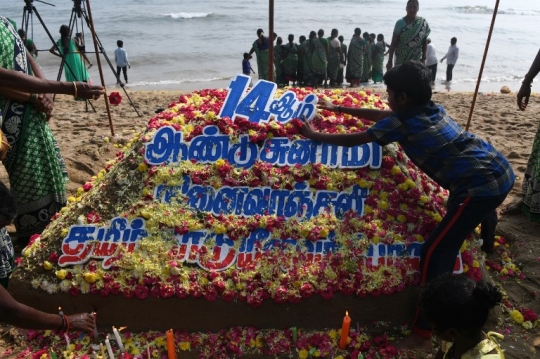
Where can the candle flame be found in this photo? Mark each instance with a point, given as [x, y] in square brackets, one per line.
[346, 313]
[121, 328]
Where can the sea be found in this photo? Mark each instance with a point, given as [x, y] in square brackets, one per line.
[189, 45]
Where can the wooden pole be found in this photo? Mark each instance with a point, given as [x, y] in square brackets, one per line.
[271, 45]
[482, 65]
[94, 39]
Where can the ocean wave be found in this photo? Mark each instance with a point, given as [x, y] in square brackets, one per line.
[477, 9]
[181, 81]
[187, 15]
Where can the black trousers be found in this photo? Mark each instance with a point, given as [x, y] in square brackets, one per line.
[449, 69]
[433, 69]
[124, 70]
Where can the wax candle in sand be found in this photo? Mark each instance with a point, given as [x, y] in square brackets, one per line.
[345, 331]
[171, 352]
[118, 339]
[109, 348]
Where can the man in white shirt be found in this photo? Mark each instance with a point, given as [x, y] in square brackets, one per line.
[431, 61]
[451, 58]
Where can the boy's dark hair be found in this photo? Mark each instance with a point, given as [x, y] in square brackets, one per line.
[341, 38]
[8, 207]
[457, 301]
[411, 78]
[246, 55]
[21, 33]
[453, 40]
[119, 43]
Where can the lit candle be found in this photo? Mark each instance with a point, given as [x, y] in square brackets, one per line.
[102, 348]
[109, 349]
[170, 344]
[345, 331]
[96, 334]
[60, 311]
[118, 339]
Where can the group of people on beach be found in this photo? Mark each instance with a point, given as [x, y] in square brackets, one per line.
[319, 60]
[478, 177]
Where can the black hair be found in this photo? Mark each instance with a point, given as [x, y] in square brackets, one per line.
[457, 301]
[259, 32]
[21, 33]
[411, 78]
[302, 38]
[8, 207]
[320, 32]
[291, 37]
[119, 43]
[357, 31]
[453, 40]
[64, 31]
[410, 1]
[246, 55]
[334, 32]
[341, 38]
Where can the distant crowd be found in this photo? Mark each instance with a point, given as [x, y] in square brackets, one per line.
[318, 60]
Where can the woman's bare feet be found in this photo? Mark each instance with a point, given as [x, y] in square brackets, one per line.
[512, 208]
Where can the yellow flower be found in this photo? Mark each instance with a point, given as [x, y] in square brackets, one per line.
[184, 346]
[61, 274]
[475, 264]
[220, 162]
[220, 229]
[71, 199]
[402, 218]
[91, 277]
[517, 316]
[47, 265]
[333, 334]
[303, 354]
[142, 167]
[324, 232]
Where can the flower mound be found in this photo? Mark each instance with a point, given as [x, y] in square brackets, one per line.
[402, 207]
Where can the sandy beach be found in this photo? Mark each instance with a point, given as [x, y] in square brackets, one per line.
[86, 143]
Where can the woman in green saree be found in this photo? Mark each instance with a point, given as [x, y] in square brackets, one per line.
[74, 68]
[409, 38]
[378, 59]
[37, 172]
[355, 61]
[368, 58]
[260, 48]
[318, 59]
[334, 57]
[290, 61]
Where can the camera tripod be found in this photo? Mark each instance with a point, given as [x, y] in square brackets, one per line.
[79, 12]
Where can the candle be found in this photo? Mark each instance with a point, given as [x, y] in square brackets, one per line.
[94, 354]
[109, 349]
[170, 344]
[60, 311]
[294, 335]
[96, 333]
[345, 331]
[102, 348]
[118, 339]
[68, 344]
[148, 349]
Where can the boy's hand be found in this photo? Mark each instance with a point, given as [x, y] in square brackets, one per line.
[307, 128]
[326, 105]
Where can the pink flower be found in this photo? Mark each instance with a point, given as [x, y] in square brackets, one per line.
[141, 291]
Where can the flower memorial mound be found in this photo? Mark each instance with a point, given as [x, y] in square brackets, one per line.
[204, 223]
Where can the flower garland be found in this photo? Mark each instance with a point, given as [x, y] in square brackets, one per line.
[403, 206]
[231, 343]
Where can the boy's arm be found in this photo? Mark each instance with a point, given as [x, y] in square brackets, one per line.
[367, 113]
[346, 140]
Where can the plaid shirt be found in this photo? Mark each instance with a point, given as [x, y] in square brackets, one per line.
[455, 159]
[6, 254]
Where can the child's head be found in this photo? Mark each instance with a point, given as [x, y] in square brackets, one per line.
[246, 56]
[453, 41]
[8, 207]
[302, 38]
[22, 34]
[341, 38]
[380, 37]
[65, 31]
[457, 306]
[120, 43]
[408, 84]
[279, 40]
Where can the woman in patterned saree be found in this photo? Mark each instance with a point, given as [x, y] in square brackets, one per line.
[409, 41]
[37, 172]
[355, 60]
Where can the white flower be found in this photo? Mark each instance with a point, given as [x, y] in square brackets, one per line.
[13, 123]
